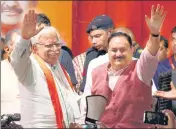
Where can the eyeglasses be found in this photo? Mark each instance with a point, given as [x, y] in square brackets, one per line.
[57, 45]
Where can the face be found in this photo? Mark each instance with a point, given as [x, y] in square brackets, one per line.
[41, 25]
[8, 49]
[12, 12]
[162, 51]
[48, 48]
[174, 43]
[99, 39]
[119, 52]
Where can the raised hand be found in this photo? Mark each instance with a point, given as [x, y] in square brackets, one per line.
[29, 25]
[157, 18]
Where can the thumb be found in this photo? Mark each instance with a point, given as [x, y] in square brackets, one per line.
[39, 29]
[172, 85]
[63, 123]
[147, 20]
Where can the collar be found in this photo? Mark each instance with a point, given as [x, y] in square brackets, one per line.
[112, 72]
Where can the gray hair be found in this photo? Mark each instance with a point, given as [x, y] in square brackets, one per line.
[46, 29]
[9, 36]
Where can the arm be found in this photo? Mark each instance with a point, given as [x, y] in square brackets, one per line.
[167, 94]
[87, 90]
[149, 55]
[20, 60]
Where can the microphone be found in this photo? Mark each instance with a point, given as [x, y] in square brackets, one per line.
[7, 118]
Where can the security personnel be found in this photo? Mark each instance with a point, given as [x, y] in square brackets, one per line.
[99, 30]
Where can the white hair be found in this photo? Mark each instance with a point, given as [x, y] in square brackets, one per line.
[45, 30]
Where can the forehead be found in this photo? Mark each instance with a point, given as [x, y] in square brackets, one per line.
[119, 42]
[95, 32]
[49, 37]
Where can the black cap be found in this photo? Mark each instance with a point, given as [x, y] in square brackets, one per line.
[100, 22]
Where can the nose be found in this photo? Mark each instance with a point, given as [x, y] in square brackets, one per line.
[56, 48]
[94, 41]
[118, 53]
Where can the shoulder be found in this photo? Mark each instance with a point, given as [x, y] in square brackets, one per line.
[99, 61]
[64, 53]
[67, 50]
[80, 55]
[91, 51]
[100, 68]
[164, 63]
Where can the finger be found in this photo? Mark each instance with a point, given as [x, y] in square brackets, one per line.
[153, 10]
[164, 15]
[161, 10]
[39, 29]
[78, 126]
[63, 123]
[147, 20]
[159, 126]
[171, 117]
[29, 16]
[33, 16]
[159, 93]
[172, 85]
[158, 9]
[25, 19]
[71, 125]
[102, 125]
[169, 114]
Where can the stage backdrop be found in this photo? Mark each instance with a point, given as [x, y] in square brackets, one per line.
[59, 12]
[126, 13]
[72, 17]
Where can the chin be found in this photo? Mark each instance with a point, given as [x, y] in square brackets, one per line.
[53, 62]
[10, 20]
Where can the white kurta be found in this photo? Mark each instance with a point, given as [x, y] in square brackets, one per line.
[10, 101]
[36, 105]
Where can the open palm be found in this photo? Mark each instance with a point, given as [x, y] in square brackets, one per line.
[29, 25]
[157, 18]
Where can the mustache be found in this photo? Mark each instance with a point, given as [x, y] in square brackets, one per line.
[120, 57]
[54, 53]
[11, 9]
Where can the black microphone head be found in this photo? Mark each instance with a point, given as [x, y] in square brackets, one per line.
[15, 117]
[4, 120]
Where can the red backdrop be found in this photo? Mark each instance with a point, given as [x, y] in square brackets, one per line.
[123, 13]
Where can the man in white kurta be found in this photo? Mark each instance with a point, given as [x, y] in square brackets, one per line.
[10, 98]
[36, 105]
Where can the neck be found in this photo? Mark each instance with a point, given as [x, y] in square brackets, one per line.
[113, 68]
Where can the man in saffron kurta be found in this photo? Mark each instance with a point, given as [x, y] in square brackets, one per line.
[47, 100]
[126, 83]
